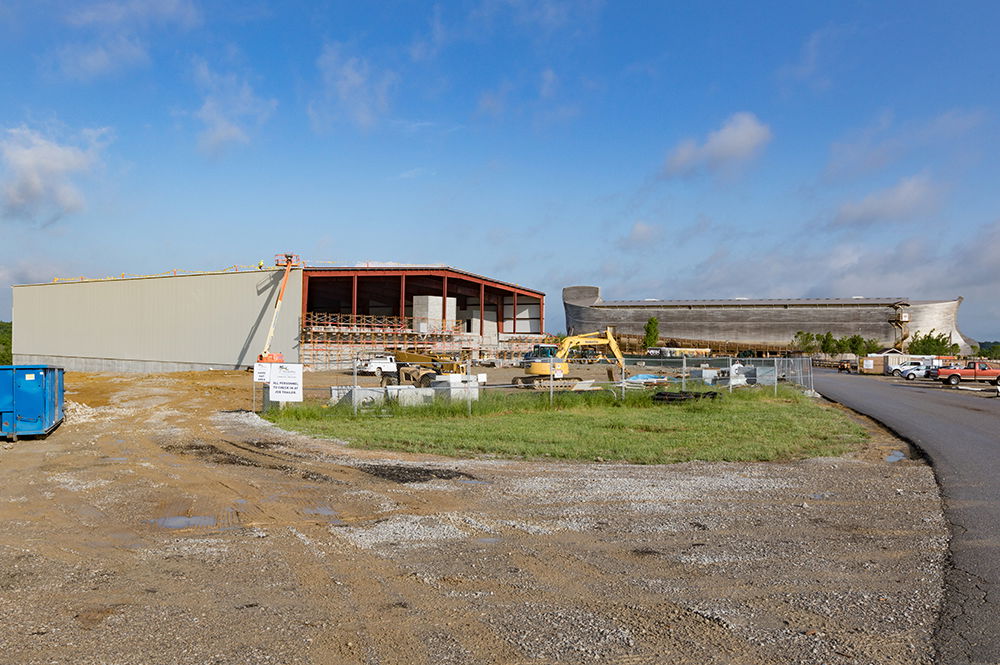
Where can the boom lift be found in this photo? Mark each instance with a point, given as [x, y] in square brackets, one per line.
[289, 261]
[540, 368]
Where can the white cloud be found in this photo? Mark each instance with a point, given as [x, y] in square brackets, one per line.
[740, 138]
[230, 106]
[37, 184]
[884, 141]
[83, 62]
[910, 197]
[494, 102]
[807, 70]
[641, 236]
[548, 84]
[352, 89]
[428, 46]
[136, 12]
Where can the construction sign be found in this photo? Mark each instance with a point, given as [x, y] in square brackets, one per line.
[262, 372]
[285, 382]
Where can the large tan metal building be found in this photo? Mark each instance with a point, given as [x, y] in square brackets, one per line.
[330, 315]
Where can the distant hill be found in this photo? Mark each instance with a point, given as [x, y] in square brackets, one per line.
[5, 332]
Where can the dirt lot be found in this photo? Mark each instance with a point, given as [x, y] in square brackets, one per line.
[162, 524]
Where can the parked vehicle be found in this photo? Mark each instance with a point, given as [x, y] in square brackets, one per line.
[973, 371]
[897, 370]
[378, 366]
[844, 366]
[919, 372]
[935, 371]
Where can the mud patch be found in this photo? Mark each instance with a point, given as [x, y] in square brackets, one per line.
[399, 473]
[209, 453]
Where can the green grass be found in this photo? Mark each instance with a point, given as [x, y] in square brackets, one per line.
[747, 425]
[5, 335]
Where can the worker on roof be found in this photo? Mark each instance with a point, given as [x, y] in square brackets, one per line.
[260, 264]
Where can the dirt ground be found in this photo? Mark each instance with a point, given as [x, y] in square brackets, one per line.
[163, 523]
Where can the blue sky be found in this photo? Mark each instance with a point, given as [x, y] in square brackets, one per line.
[668, 150]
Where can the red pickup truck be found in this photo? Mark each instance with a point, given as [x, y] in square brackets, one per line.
[973, 371]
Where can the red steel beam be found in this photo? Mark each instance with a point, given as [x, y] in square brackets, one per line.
[482, 307]
[431, 273]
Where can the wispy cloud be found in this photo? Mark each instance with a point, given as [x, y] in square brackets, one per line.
[229, 110]
[38, 177]
[428, 45]
[419, 172]
[88, 61]
[545, 15]
[116, 36]
[641, 236]
[740, 138]
[494, 102]
[351, 89]
[548, 83]
[136, 12]
[884, 141]
[910, 197]
[808, 69]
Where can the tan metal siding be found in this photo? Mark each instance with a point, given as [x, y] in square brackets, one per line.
[218, 319]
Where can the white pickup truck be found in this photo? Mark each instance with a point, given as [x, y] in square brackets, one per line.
[378, 365]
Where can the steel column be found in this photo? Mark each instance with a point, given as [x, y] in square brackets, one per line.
[541, 315]
[514, 311]
[482, 308]
[354, 297]
[402, 296]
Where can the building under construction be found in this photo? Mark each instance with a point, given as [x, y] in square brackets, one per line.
[766, 325]
[330, 316]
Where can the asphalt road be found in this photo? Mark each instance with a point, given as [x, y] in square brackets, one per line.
[960, 434]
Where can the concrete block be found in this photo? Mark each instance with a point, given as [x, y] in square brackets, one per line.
[360, 397]
[410, 395]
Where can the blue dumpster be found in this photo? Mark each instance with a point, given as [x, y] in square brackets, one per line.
[31, 399]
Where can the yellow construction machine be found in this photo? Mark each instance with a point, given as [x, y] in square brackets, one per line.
[422, 368]
[548, 361]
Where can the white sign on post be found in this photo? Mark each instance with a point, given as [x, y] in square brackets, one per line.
[262, 372]
[286, 382]
[869, 363]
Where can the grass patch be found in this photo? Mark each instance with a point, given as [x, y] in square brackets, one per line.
[5, 342]
[747, 425]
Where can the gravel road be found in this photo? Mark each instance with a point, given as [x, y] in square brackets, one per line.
[160, 524]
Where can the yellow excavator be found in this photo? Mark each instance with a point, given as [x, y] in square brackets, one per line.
[548, 359]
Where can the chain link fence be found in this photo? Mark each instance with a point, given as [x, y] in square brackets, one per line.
[642, 377]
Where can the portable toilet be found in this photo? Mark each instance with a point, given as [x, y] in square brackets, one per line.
[31, 400]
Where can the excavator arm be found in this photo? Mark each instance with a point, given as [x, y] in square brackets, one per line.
[599, 338]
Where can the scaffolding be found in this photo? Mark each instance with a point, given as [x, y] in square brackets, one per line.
[336, 341]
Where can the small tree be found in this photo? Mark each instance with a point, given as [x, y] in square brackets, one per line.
[804, 342]
[652, 330]
[872, 345]
[933, 345]
[828, 344]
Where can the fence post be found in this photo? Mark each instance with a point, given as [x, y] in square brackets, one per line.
[684, 371]
[552, 374]
[776, 376]
[354, 392]
[730, 360]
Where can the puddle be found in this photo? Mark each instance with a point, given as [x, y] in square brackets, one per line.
[241, 500]
[399, 473]
[488, 541]
[116, 459]
[895, 456]
[181, 522]
[820, 495]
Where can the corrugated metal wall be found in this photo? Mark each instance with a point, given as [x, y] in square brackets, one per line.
[156, 323]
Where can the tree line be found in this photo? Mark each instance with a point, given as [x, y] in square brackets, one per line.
[929, 344]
